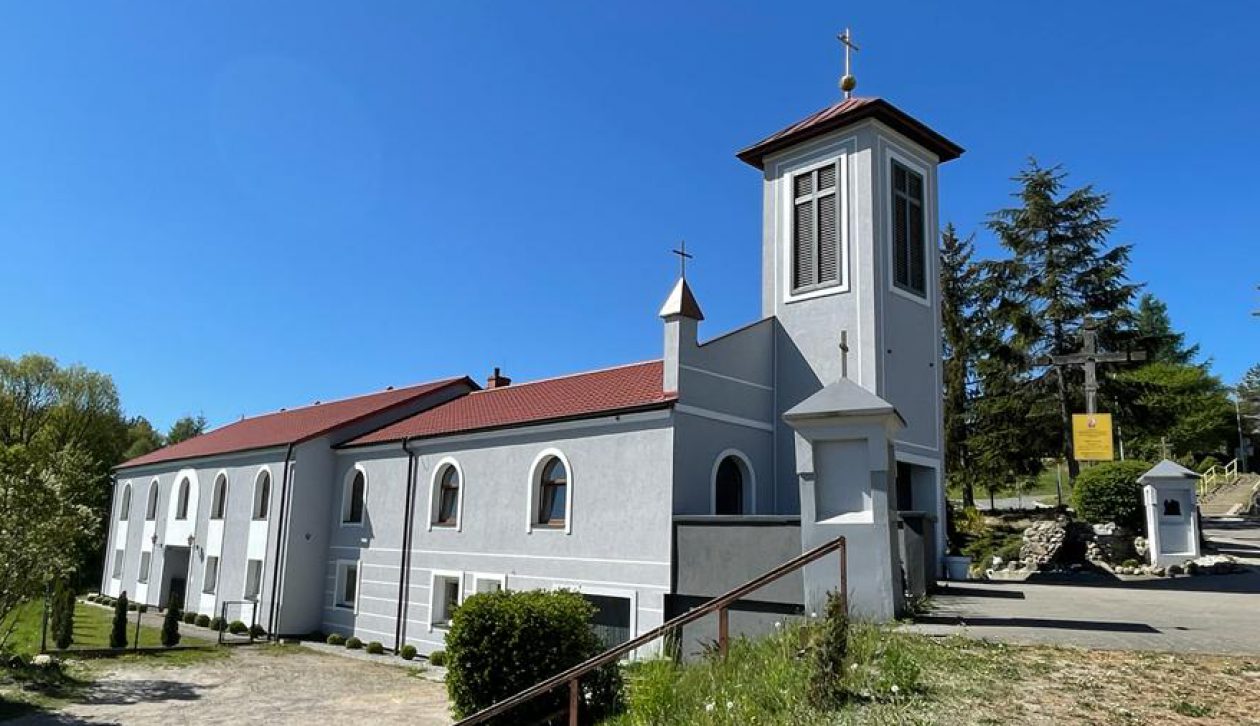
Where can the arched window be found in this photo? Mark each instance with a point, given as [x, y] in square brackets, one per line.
[151, 512]
[218, 502]
[262, 494]
[448, 497]
[181, 505]
[553, 486]
[730, 480]
[124, 503]
[353, 501]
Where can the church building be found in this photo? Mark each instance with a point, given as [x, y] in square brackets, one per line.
[647, 487]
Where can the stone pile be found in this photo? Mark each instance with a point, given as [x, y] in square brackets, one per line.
[1055, 542]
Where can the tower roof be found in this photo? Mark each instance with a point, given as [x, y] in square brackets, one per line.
[681, 302]
[844, 113]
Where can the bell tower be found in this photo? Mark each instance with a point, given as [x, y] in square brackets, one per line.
[849, 271]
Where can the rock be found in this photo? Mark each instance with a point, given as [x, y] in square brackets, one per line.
[1141, 547]
[43, 660]
[1157, 571]
[1059, 541]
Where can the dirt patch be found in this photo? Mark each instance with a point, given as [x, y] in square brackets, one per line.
[1044, 685]
[255, 685]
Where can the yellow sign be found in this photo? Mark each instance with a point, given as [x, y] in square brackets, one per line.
[1091, 437]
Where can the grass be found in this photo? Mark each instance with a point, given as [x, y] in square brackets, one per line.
[896, 677]
[29, 689]
[92, 625]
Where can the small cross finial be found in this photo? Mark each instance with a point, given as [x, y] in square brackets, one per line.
[683, 256]
[847, 81]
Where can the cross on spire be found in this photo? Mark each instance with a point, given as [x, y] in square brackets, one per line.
[847, 81]
[683, 256]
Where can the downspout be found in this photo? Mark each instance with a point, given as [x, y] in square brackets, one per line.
[404, 558]
[274, 611]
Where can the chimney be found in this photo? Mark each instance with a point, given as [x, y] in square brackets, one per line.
[497, 381]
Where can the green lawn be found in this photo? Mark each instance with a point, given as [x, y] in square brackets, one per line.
[92, 625]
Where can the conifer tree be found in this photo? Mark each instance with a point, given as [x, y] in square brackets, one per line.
[62, 624]
[1155, 333]
[1061, 269]
[170, 623]
[960, 331]
[118, 634]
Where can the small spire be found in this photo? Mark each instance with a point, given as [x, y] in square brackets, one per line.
[681, 303]
[847, 82]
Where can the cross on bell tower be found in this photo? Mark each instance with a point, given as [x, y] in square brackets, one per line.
[847, 82]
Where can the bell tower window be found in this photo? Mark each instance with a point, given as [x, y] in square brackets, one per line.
[909, 248]
[815, 229]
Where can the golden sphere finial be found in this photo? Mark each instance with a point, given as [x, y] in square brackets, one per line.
[847, 83]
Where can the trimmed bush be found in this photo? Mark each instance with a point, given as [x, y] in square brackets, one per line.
[236, 627]
[118, 633]
[257, 631]
[203, 621]
[142, 608]
[827, 654]
[189, 618]
[1110, 492]
[438, 657]
[336, 639]
[218, 624]
[170, 625]
[131, 606]
[375, 647]
[502, 642]
[61, 614]
[353, 643]
[408, 652]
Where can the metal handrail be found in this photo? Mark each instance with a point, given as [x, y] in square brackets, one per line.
[1218, 476]
[719, 604]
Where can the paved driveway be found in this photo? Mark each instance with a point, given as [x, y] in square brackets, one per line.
[1205, 614]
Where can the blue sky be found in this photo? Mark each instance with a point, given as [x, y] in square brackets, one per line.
[233, 207]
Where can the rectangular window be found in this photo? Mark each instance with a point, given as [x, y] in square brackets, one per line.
[146, 560]
[347, 584]
[487, 583]
[611, 621]
[118, 564]
[211, 580]
[815, 229]
[253, 579]
[445, 594]
[908, 234]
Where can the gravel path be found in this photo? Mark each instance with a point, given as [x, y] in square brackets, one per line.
[256, 686]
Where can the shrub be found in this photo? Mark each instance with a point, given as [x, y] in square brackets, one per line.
[827, 654]
[218, 624]
[131, 606]
[1208, 462]
[61, 612]
[203, 621]
[170, 625]
[503, 642]
[1110, 492]
[438, 657]
[353, 643]
[142, 608]
[189, 618]
[236, 627]
[408, 652]
[375, 647]
[336, 639]
[118, 633]
[257, 631]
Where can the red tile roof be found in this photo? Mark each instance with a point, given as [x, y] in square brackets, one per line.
[289, 426]
[847, 112]
[635, 386]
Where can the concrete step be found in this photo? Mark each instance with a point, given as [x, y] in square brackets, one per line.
[1231, 499]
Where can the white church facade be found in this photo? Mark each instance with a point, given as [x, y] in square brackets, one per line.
[647, 487]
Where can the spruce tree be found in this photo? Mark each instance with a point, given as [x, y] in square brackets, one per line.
[1061, 269]
[118, 634]
[170, 624]
[1155, 333]
[961, 344]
